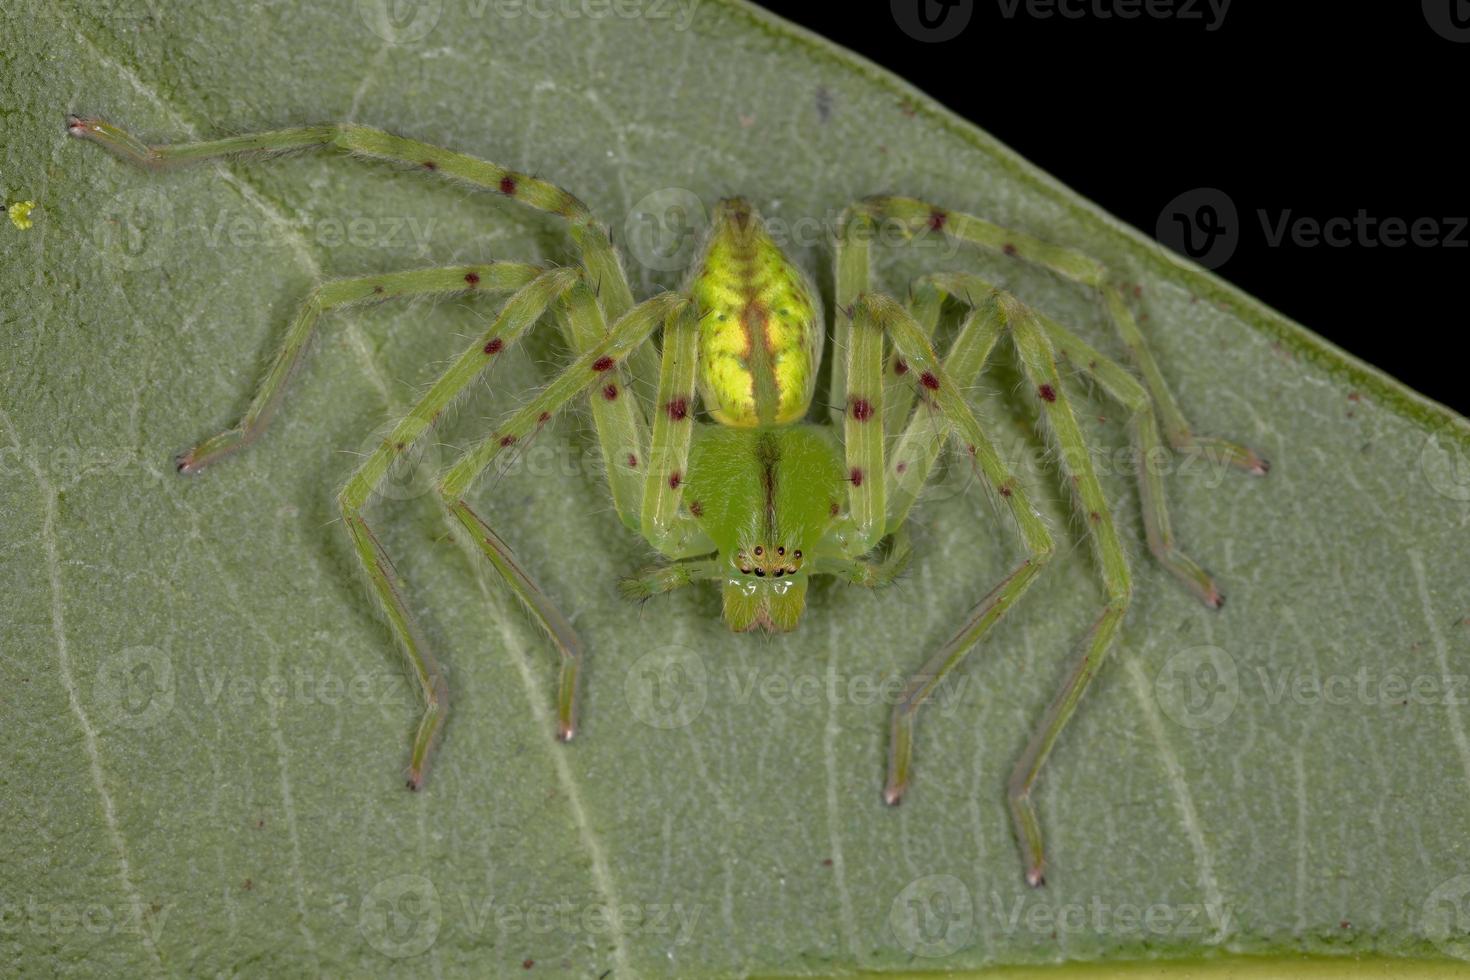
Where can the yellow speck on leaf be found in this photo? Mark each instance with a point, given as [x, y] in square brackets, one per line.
[20, 214]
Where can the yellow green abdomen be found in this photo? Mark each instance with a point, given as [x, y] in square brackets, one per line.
[760, 339]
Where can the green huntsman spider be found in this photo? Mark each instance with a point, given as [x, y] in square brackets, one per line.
[781, 497]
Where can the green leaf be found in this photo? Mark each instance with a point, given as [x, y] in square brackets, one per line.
[206, 725]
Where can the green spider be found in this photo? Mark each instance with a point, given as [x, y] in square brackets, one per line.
[764, 498]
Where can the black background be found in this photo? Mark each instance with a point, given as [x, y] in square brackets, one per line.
[1321, 110]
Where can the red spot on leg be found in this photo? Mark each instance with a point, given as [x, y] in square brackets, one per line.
[929, 381]
[1094, 517]
[495, 346]
[696, 508]
[900, 366]
[472, 278]
[678, 409]
[378, 290]
[544, 417]
[861, 408]
[1005, 490]
[937, 218]
[610, 392]
[603, 364]
[1009, 249]
[632, 462]
[833, 509]
[430, 165]
[901, 468]
[1047, 393]
[856, 476]
[675, 478]
[507, 185]
[507, 440]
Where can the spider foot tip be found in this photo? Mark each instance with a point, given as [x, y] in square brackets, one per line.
[186, 464]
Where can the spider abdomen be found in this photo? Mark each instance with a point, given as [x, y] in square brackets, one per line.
[760, 335]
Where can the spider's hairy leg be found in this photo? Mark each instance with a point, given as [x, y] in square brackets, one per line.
[588, 369]
[496, 277]
[852, 276]
[520, 312]
[1123, 388]
[617, 414]
[604, 268]
[658, 579]
[1038, 363]
[877, 314]
[919, 217]
[924, 304]
[863, 425]
[868, 574]
[672, 534]
[917, 449]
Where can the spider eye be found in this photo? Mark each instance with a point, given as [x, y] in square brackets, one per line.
[796, 554]
[759, 551]
[781, 551]
[760, 573]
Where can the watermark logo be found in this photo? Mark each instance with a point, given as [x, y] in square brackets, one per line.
[400, 21]
[134, 688]
[1210, 13]
[665, 228]
[667, 688]
[400, 917]
[1450, 19]
[1201, 224]
[932, 21]
[1445, 917]
[135, 231]
[1445, 465]
[243, 230]
[933, 916]
[1198, 688]
[406, 462]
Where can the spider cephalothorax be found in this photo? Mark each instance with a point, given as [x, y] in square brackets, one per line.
[765, 497]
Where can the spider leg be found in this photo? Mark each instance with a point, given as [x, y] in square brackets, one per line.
[520, 312]
[658, 579]
[925, 302]
[671, 533]
[914, 454]
[869, 574]
[617, 415]
[589, 368]
[916, 217]
[872, 316]
[1038, 363]
[495, 277]
[1123, 388]
[604, 268]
